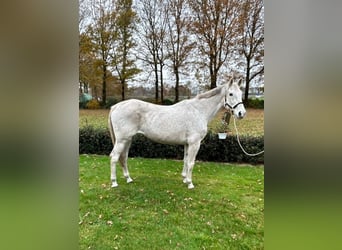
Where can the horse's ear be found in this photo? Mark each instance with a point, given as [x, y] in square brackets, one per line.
[240, 82]
[230, 82]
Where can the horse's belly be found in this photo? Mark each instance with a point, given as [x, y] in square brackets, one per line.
[171, 127]
[166, 137]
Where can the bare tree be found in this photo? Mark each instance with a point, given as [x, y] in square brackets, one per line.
[161, 55]
[215, 26]
[152, 28]
[102, 34]
[179, 43]
[122, 58]
[252, 40]
[84, 12]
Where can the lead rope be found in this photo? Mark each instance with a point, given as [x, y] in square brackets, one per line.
[238, 139]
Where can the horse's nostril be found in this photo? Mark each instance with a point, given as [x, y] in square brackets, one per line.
[240, 114]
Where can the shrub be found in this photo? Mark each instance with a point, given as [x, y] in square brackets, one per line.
[82, 105]
[148, 99]
[167, 102]
[97, 141]
[93, 104]
[256, 103]
[84, 98]
[110, 102]
[94, 141]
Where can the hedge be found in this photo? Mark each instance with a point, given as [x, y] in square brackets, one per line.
[256, 103]
[98, 141]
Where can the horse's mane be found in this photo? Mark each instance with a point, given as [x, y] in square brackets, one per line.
[210, 93]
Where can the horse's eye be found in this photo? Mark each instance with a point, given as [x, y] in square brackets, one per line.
[230, 94]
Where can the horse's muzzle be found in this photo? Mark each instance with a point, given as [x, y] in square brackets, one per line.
[240, 115]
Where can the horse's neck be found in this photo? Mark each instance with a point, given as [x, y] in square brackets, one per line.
[210, 106]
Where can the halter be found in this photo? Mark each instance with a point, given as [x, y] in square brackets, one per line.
[236, 130]
[234, 107]
[227, 104]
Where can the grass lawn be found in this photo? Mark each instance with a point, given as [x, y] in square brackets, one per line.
[252, 124]
[157, 211]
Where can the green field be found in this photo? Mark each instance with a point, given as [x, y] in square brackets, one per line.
[157, 211]
[252, 124]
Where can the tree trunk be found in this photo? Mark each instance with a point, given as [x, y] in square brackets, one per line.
[156, 82]
[177, 85]
[104, 84]
[123, 89]
[213, 79]
[213, 73]
[161, 84]
[247, 82]
[123, 74]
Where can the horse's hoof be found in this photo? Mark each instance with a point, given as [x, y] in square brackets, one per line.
[185, 181]
[191, 186]
[129, 180]
[114, 185]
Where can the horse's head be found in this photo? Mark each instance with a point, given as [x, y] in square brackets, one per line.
[233, 99]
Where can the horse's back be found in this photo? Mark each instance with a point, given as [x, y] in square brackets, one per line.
[173, 124]
[130, 107]
[134, 111]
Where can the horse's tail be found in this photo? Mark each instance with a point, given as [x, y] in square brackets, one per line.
[110, 126]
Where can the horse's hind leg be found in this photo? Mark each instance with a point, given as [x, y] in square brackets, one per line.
[123, 160]
[113, 161]
[119, 147]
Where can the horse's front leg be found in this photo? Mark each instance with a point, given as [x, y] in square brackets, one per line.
[185, 167]
[192, 152]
